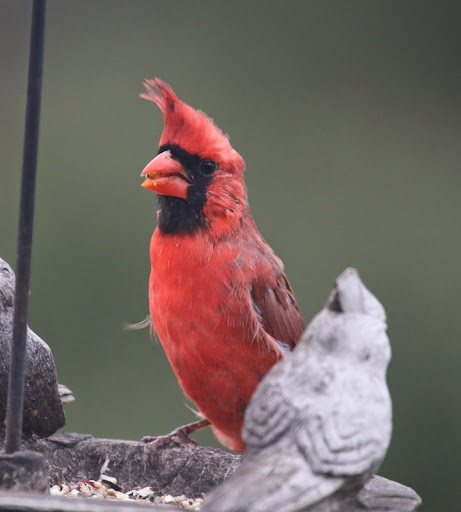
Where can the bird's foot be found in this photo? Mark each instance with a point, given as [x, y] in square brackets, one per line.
[179, 435]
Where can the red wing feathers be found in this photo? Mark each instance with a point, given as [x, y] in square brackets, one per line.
[276, 305]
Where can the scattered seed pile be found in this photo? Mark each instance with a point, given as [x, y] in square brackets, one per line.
[106, 488]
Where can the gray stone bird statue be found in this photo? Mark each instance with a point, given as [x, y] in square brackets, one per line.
[319, 424]
[44, 399]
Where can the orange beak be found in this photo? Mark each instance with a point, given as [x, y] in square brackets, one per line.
[166, 176]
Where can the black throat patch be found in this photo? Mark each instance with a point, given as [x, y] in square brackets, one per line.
[185, 215]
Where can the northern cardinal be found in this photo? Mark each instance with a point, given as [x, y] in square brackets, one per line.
[219, 299]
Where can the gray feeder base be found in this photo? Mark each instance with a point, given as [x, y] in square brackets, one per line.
[170, 469]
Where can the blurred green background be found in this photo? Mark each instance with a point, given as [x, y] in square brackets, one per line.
[347, 114]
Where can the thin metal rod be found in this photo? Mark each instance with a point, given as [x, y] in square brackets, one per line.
[26, 224]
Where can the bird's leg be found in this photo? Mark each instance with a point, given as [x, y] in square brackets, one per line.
[179, 435]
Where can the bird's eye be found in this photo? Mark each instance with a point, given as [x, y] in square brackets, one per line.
[207, 167]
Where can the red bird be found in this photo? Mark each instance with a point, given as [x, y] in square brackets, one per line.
[219, 299]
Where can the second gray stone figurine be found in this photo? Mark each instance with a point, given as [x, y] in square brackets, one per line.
[320, 423]
[43, 399]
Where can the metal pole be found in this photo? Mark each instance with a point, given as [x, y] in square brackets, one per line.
[26, 224]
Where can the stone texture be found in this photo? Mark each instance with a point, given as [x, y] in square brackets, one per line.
[382, 495]
[24, 471]
[190, 470]
[175, 470]
[43, 410]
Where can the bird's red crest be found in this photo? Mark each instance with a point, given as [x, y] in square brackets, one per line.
[160, 93]
[191, 129]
